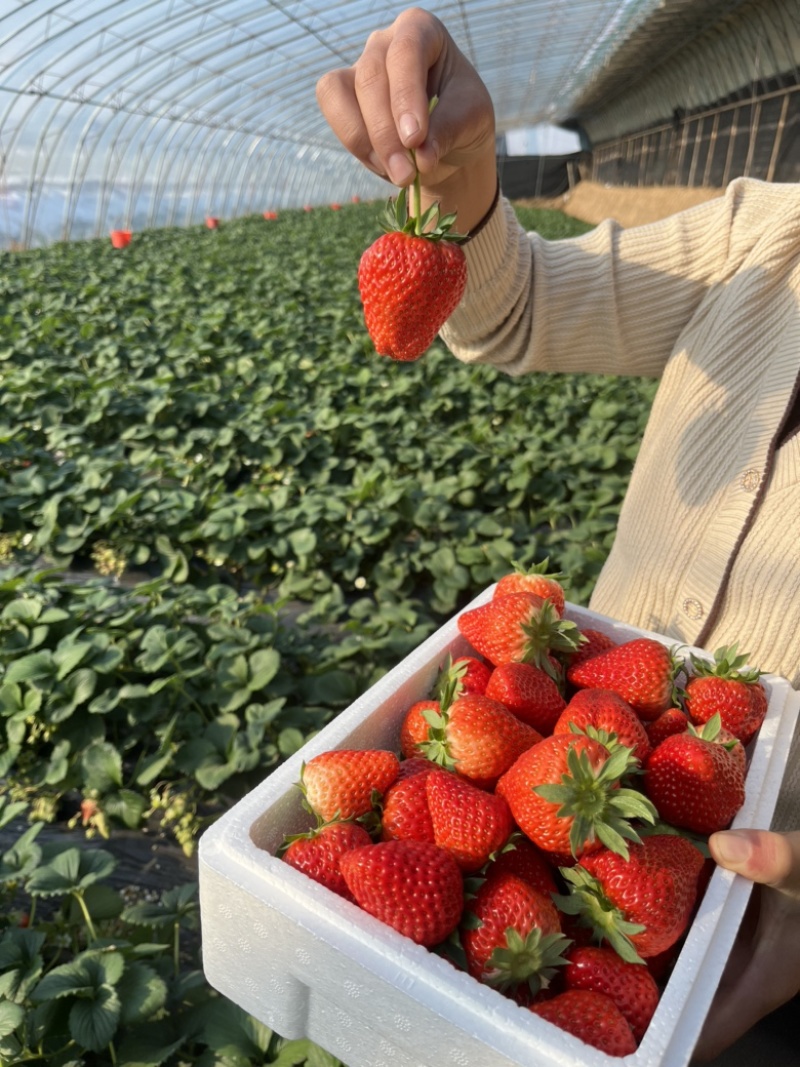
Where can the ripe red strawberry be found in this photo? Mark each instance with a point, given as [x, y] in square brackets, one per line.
[415, 887]
[590, 1016]
[318, 852]
[564, 793]
[695, 782]
[726, 687]
[415, 726]
[518, 628]
[593, 641]
[631, 986]
[411, 280]
[477, 737]
[669, 722]
[512, 936]
[467, 821]
[522, 858]
[473, 675]
[642, 671]
[603, 714]
[405, 813]
[340, 784]
[640, 905]
[536, 579]
[529, 692]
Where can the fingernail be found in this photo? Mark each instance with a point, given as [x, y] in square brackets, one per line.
[375, 163]
[401, 169]
[408, 126]
[732, 848]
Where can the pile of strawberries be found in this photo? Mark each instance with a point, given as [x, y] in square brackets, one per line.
[542, 821]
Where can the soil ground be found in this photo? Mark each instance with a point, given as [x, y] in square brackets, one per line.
[594, 202]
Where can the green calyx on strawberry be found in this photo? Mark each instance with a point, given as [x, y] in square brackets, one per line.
[587, 901]
[728, 663]
[592, 798]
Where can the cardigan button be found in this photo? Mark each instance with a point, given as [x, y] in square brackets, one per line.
[693, 608]
[750, 480]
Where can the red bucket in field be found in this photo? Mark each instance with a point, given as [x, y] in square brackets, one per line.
[212, 223]
[121, 238]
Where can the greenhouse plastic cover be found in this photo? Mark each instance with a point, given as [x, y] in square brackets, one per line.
[137, 113]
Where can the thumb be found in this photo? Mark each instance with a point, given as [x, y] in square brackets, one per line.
[763, 856]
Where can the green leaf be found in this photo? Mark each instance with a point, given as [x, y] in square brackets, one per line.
[11, 1017]
[71, 870]
[142, 993]
[36, 667]
[94, 1022]
[102, 767]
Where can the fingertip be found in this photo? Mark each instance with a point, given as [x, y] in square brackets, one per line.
[731, 849]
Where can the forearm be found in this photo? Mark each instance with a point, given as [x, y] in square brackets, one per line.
[610, 302]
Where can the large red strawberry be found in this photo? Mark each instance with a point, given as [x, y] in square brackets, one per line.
[631, 986]
[590, 1016]
[529, 692]
[603, 714]
[411, 279]
[640, 905]
[341, 783]
[642, 671]
[469, 822]
[317, 853]
[512, 936]
[536, 579]
[727, 687]
[565, 794]
[696, 782]
[475, 736]
[415, 887]
[518, 628]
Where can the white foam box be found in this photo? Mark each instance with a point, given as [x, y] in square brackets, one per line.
[309, 964]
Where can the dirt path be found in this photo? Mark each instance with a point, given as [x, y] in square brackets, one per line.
[593, 202]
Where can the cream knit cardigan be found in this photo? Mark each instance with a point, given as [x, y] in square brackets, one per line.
[707, 548]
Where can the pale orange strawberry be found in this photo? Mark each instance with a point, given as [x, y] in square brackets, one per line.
[511, 935]
[413, 886]
[536, 579]
[342, 783]
[727, 687]
[518, 628]
[529, 692]
[469, 822]
[565, 795]
[318, 852]
[411, 280]
[642, 671]
[590, 1016]
[605, 716]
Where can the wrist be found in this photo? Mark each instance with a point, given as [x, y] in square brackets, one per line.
[470, 193]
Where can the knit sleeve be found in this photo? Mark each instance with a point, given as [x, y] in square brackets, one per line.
[612, 301]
